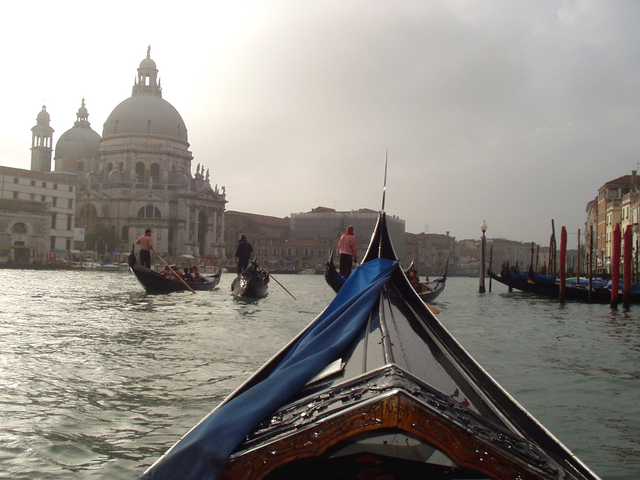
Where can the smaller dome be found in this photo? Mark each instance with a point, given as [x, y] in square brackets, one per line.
[78, 143]
[43, 116]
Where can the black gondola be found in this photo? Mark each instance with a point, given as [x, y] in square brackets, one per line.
[155, 282]
[249, 283]
[332, 276]
[429, 291]
[516, 279]
[375, 387]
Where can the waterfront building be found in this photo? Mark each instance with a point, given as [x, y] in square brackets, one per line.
[430, 252]
[37, 215]
[328, 223]
[273, 245]
[608, 214]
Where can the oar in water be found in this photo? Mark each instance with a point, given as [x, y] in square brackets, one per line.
[432, 309]
[276, 280]
[174, 272]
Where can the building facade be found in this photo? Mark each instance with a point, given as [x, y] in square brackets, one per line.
[614, 205]
[322, 222]
[45, 203]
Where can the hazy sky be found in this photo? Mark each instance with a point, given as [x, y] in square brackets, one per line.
[509, 112]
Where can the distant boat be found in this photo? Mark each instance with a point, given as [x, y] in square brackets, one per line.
[374, 388]
[109, 267]
[308, 271]
[249, 283]
[431, 290]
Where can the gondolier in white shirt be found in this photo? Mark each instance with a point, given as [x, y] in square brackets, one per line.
[348, 250]
[146, 245]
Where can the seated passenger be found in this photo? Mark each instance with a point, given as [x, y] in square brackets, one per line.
[196, 274]
[187, 274]
[414, 279]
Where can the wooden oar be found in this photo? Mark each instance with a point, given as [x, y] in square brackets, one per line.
[174, 272]
[276, 281]
[432, 309]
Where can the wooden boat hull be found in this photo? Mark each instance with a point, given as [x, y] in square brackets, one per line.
[374, 386]
[248, 284]
[156, 283]
[396, 421]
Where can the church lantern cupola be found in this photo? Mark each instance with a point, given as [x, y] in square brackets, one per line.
[147, 81]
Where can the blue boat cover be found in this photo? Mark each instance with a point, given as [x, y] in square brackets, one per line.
[201, 453]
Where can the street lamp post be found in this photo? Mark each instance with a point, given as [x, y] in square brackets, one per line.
[483, 227]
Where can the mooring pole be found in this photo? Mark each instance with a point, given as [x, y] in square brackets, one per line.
[563, 261]
[615, 267]
[590, 268]
[483, 227]
[628, 253]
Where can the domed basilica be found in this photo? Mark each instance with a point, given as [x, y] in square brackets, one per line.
[137, 175]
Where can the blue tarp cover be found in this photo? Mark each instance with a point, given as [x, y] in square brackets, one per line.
[201, 453]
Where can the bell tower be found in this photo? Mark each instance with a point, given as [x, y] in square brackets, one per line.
[41, 142]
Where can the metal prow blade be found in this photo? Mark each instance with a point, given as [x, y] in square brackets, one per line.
[384, 188]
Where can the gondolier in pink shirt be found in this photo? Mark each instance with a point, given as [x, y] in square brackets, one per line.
[348, 250]
[146, 245]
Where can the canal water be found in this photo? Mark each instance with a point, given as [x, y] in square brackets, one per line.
[98, 379]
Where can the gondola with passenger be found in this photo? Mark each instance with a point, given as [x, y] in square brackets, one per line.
[251, 283]
[156, 282]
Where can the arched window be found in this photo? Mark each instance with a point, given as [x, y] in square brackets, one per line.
[88, 210]
[149, 211]
[139, 172]
[19, 228]
[109, 167]
[155, 174]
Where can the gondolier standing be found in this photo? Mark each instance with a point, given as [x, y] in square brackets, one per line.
[348, 250]
[243, 253]
[146, 245]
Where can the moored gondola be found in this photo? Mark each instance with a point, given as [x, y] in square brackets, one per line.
[250, 283]
[512, 279]
[155, 282]
[375, 387]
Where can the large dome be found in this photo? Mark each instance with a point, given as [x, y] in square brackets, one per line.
[145, 115]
